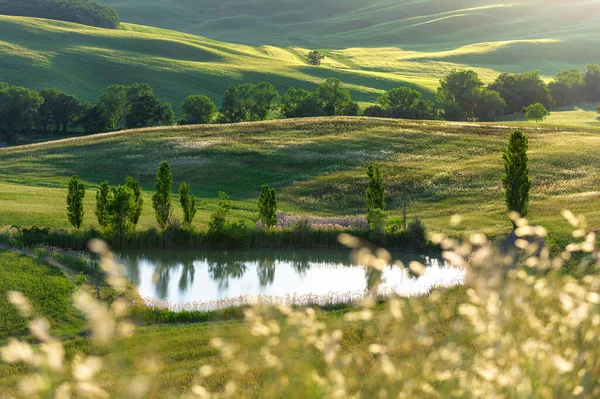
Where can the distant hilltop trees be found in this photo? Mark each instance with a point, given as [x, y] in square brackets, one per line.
[86, 12]
[462, 96]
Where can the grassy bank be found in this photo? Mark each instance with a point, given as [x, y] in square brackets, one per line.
[318, 166]
[174, 238]
[48, 289]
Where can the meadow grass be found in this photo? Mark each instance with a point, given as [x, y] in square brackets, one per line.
[479, 340]
[48, 289]
[318, 167]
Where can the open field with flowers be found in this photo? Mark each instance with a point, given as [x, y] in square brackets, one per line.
[318, 167]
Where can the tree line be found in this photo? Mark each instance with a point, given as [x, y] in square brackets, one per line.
[461, 96]
[466, 97]
[86, 12]
[118, 209]
[24, 111]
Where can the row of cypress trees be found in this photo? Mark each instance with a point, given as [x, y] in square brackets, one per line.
[119, 208]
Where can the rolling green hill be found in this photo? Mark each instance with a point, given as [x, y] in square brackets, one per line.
[435, 24]
[83, 60]
[318, 167]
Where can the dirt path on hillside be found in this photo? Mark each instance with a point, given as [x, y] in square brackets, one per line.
[46, 259]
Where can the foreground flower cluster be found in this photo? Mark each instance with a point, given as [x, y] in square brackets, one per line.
[520, 327]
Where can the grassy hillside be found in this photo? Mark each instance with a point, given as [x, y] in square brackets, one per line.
[378, 23]
[48, 289]
[318, 166]
[83, 60]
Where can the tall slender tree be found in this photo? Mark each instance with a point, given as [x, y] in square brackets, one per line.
[138, 199]
[375, 192]
[75, 196]
[267, 206]
[161, 200]
[375, 199]
[102, 201]
[516, 181]
[188, 204]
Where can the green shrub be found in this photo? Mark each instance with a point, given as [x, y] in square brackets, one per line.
[218, 219]
[86, 12]
[267, 206]
[80, 279]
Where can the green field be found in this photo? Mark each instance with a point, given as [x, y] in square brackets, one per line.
[48, 290]
[318, 167]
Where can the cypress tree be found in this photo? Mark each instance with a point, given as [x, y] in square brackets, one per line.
[138, 199]
[102, 201]
[375, 192]
[267, 206]
[375, 199]
[516, 180]
[188, 204]
[161, 200]
[75, 196]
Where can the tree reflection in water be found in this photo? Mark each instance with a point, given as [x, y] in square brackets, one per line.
[225, 266]
[222, 271]
[187, 275]
[266, 272]
[373, 277]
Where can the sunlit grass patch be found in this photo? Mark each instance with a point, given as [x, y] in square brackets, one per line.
[317, 166]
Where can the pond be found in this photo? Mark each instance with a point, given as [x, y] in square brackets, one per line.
[207, 280]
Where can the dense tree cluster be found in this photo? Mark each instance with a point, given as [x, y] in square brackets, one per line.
[521, 90]
[119, 208]
[462, 95]
[23, 111]
[197, 110]
[330, 99]
[86, 12]
[572, 86]
[403, 102]
[466, 98]
[248, 102]
[130, 107]
[18, 110]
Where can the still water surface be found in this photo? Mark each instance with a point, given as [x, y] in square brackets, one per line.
[180, 276]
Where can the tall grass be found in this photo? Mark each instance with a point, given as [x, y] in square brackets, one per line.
[520, 327]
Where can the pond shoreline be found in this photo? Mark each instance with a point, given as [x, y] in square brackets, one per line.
[209, 280]
[177, 238]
